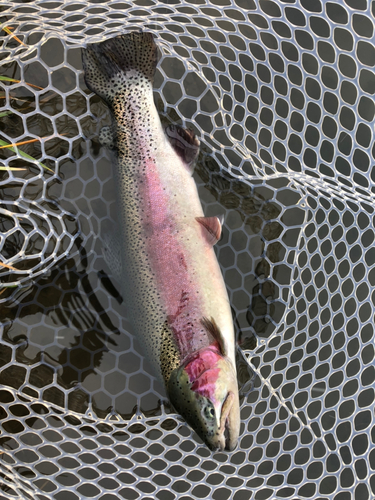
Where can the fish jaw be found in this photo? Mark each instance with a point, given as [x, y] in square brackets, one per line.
[227, 408]
[230, 421]
[204, 391]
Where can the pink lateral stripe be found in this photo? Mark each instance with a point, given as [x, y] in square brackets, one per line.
[168, 261]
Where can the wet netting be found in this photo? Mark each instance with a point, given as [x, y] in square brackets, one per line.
[281, 95]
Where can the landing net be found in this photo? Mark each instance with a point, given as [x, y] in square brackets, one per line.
[281, 95]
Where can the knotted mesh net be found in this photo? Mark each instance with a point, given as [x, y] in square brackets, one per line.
[281, 95]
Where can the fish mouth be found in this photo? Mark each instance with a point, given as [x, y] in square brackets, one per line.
[230, 434]
[224, 435]
[221, 443]
[227, 437]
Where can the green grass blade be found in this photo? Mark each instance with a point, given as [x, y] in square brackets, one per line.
[7, 79]
[25, 155]
[5, 113]
[12, 168]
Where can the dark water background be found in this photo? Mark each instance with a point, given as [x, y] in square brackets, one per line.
[65, 338]
[69, 328]
[67, 331]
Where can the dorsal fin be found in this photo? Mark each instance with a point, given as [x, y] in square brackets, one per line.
[212, 328]
[212, 226]
[184, 142]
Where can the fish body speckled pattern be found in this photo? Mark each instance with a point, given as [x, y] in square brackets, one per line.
[170, 276]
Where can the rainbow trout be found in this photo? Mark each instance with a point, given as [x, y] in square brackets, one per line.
[170, 276]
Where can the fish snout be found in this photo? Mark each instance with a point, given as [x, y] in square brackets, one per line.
[226, 437]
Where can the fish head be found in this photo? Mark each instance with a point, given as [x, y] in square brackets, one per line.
[204, 391]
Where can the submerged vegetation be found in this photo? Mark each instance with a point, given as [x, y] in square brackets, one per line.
[13, 80]
[8, 29]
[14, 147]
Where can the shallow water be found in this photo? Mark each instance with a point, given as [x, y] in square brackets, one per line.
[284, 111]
[73, 321]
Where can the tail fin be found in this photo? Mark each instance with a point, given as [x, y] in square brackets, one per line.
[103, 61]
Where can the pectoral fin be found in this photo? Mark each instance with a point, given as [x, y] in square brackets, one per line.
[184, 142]
[212, 328]
[213, 227]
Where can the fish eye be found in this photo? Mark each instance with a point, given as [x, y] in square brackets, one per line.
[209, 412]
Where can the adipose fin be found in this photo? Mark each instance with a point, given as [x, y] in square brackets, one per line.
[106, 138]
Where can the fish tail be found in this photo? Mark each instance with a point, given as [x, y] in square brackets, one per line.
[108, 62]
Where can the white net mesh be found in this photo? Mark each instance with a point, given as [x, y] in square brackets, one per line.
[281, 95]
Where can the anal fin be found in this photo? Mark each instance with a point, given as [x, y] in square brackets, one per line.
[184, 142]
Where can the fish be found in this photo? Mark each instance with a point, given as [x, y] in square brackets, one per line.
[170, 277]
